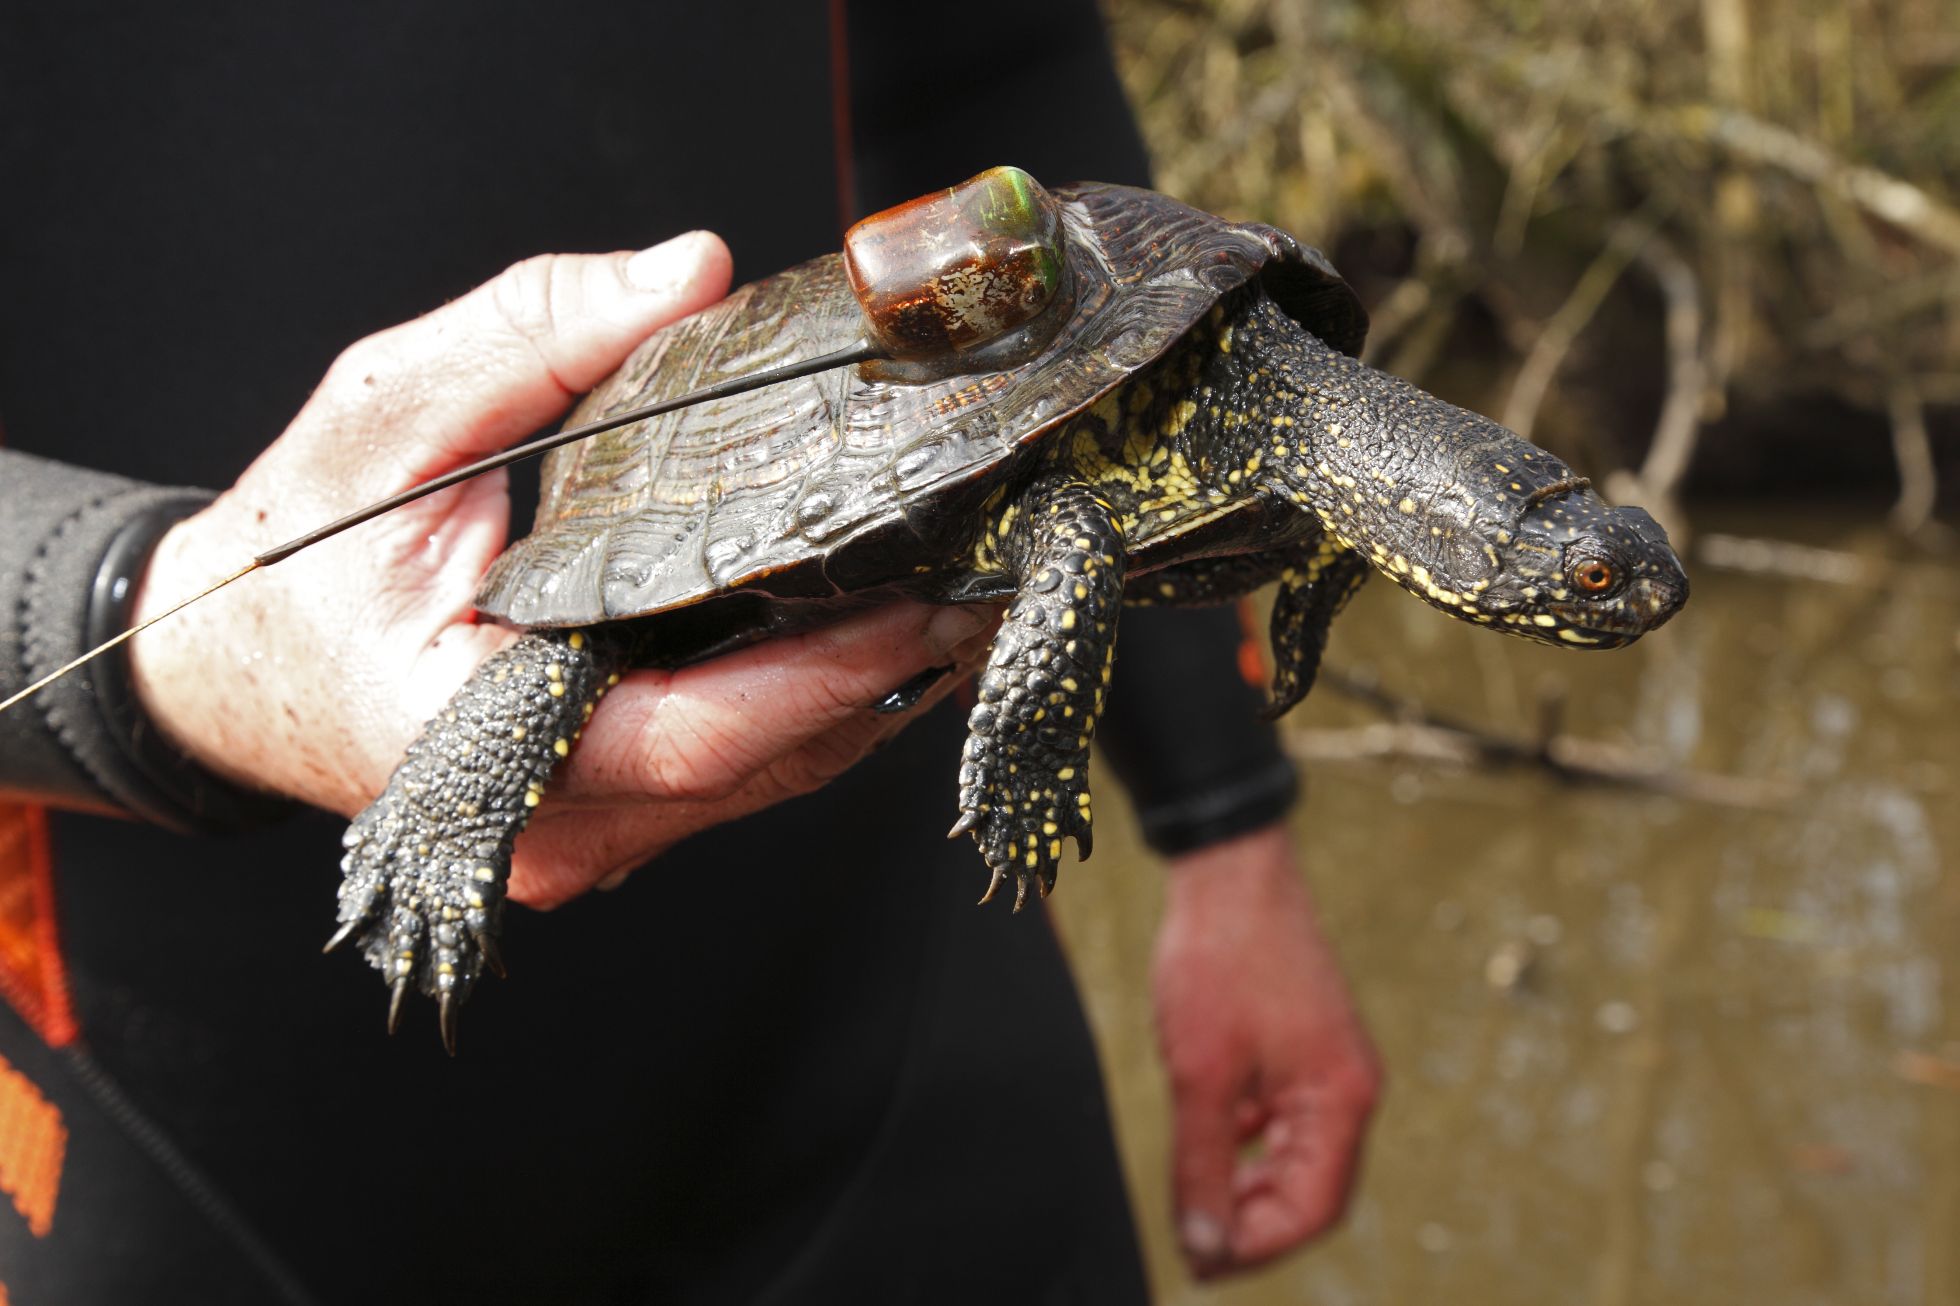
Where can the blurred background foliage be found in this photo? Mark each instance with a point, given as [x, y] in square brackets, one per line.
[1655, 217]
[1661, 949]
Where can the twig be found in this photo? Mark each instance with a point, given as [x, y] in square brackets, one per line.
[1418, 734]
[1896, 300]
[1563, 327]
[1678, 428]
[1785, 559]
[1919, 484]
[1888, 198]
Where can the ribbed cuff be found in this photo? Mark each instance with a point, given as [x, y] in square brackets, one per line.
[84, 741]
[1222, 811]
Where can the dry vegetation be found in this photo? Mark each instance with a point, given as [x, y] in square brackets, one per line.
[1744, 201]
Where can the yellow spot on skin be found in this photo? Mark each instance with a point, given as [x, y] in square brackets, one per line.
[1049, 827]
[1407, 506]
[484, 874]
[556, 689]
[531, 798]
[1068, 619]
[1066, 773]
[613, 679]
[577, 641]
[518, 732]
[1055, 848]
[560, 747]
[1571, 636]
[554, 672]
[1546, 619]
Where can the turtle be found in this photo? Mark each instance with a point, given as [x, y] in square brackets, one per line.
[1087, 397]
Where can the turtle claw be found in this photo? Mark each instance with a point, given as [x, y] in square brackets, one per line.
[969, 819]
[493, 954]
[993, 885]
[449, 1012]
[395, 1004]
[344, 933]
[1020, 893]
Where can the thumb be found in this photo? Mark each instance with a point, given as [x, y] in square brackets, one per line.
[502, 361]
[1205, 1153]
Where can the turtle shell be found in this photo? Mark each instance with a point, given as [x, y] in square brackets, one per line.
[842, 482]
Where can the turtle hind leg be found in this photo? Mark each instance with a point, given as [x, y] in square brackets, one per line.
[1024, 775]
[422, 892]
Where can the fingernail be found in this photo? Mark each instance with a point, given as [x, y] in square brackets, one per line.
[613, 881]
[951, 627]
[668, 266]
[1202, 1236]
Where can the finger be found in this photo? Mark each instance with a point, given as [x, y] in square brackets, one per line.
[1205, 1148]
[502, 361]
[698, 734]
[1300, 1188]
[579, 846]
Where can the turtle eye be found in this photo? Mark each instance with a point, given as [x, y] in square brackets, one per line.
[1593, 575]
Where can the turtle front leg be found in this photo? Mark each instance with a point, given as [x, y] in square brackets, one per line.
[1024, 777]
[1314, 586]
[427, 861]
[1315, 582]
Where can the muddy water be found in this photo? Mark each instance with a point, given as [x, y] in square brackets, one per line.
[1641, 1047]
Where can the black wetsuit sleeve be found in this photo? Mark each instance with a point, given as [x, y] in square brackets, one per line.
[74, 548]
[1183, 731]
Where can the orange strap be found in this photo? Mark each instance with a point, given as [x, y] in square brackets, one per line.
[1252, 652]
[32, 979]
[33, 1144]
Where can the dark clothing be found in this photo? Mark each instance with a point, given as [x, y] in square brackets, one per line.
[772, 1069]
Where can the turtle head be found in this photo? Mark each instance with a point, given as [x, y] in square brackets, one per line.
[1579, 573]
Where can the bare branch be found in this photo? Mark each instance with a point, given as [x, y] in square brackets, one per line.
[1912, 448]
[1417, 734]
[1563, 327]
[1679, 427]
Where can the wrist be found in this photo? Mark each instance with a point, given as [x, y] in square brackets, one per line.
[179, 786]
[1259, 854]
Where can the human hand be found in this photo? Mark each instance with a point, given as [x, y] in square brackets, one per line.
[310, 678]
[1261, 1042]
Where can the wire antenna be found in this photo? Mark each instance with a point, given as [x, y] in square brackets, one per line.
[861, 351]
